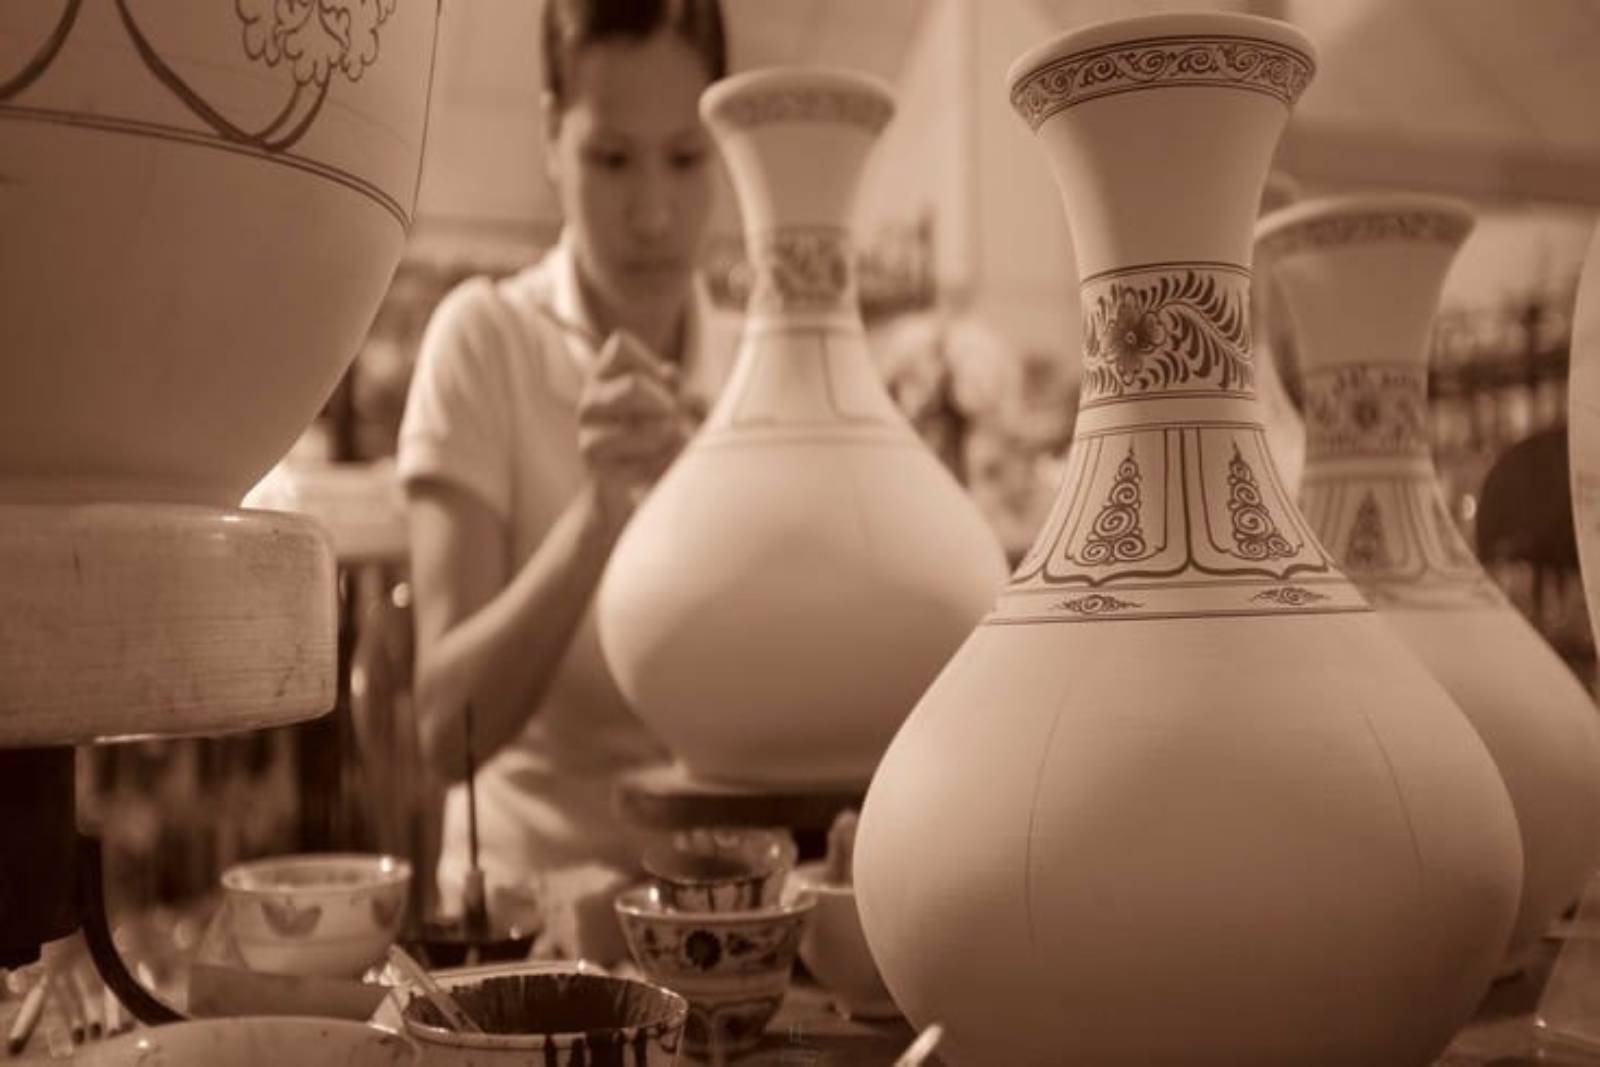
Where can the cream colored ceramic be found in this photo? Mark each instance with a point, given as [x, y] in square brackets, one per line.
[243, 1041]
[1360, 278]
[797, 578]
[834, 948]
[201, 206]
[331, 914]
[733, 966]
[1583, 428]
[1182, 798]
[538, 1016]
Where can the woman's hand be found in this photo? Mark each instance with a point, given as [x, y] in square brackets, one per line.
[630, 426]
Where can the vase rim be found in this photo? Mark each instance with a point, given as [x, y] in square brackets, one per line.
[798, 93]
[1363, 219]
[1201, 27]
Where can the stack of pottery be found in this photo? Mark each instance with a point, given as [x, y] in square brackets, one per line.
[795, 581]
[201, 207]
[1360, 278]
[1182, 797]
[718, 924]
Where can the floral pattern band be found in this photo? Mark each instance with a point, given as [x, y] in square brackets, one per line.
[1219, 61]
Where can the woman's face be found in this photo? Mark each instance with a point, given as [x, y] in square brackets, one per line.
[632, 164]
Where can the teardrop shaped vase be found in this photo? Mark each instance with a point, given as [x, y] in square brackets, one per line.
[1193, 803]
[1360, 277]
[795, 581]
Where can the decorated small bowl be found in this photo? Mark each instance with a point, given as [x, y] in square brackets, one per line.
[720, 869]
[733, 966]
[251, 1041]
[331, 914]
[537, 1016]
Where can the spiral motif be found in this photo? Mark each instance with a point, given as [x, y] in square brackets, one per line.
[1116, 536]
[1227, 62]
[1255, 535]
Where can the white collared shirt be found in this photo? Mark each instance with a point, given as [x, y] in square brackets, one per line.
[492, 410]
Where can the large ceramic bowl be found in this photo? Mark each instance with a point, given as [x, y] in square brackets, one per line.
[204, 204]
[834, 948]
[538, 1016]
[720, 868]
[245, 1041]
[733, 966]
[333, 914]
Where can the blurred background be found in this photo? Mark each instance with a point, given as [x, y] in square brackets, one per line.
[969, 295]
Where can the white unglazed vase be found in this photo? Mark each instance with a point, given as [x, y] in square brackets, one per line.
[1181, 798]
[795, 581]
[201, 207]
[1360, 278]
[1583, 429]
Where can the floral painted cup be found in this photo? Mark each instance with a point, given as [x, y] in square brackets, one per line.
[733, 966]
[332, 914]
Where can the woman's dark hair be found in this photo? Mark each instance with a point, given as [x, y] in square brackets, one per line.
[567, 26]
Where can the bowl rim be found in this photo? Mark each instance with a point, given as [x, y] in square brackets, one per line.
[675, 1004]
[391, 870]
[635, 903]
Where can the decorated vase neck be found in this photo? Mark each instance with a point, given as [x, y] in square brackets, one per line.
[803, 271]
[1368, 411]
[1167, 330]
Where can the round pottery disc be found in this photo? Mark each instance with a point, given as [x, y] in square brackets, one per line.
[124, 620]
[1583, 428]
[668, 797]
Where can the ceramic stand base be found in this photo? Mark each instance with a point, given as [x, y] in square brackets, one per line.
[121, 620]
[669, 797]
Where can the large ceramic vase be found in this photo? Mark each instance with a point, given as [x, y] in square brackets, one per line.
[1583, 429]
[1181, 798]
[201, 205]
[795, 581]
[1360, 278]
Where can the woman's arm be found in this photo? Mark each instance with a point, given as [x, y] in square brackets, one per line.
[493, 634]
[485, 636]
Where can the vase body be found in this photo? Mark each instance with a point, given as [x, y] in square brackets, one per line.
[1360, 279]
[1583, 428]
[1193, 803]
[796, 579]
[203, 206]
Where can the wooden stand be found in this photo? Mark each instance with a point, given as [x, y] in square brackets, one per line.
[667, 797]
[122, 620]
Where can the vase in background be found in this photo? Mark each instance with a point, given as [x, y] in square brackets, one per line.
[1359, 277]
[1181, 798]
[793, 583]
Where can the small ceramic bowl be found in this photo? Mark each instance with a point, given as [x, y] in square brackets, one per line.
[538, 1016]
[720, 869]
[733, 966]
[834, 948]
[331, 914]
[249, 1041]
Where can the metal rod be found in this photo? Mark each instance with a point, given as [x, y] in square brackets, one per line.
[145, 1005]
